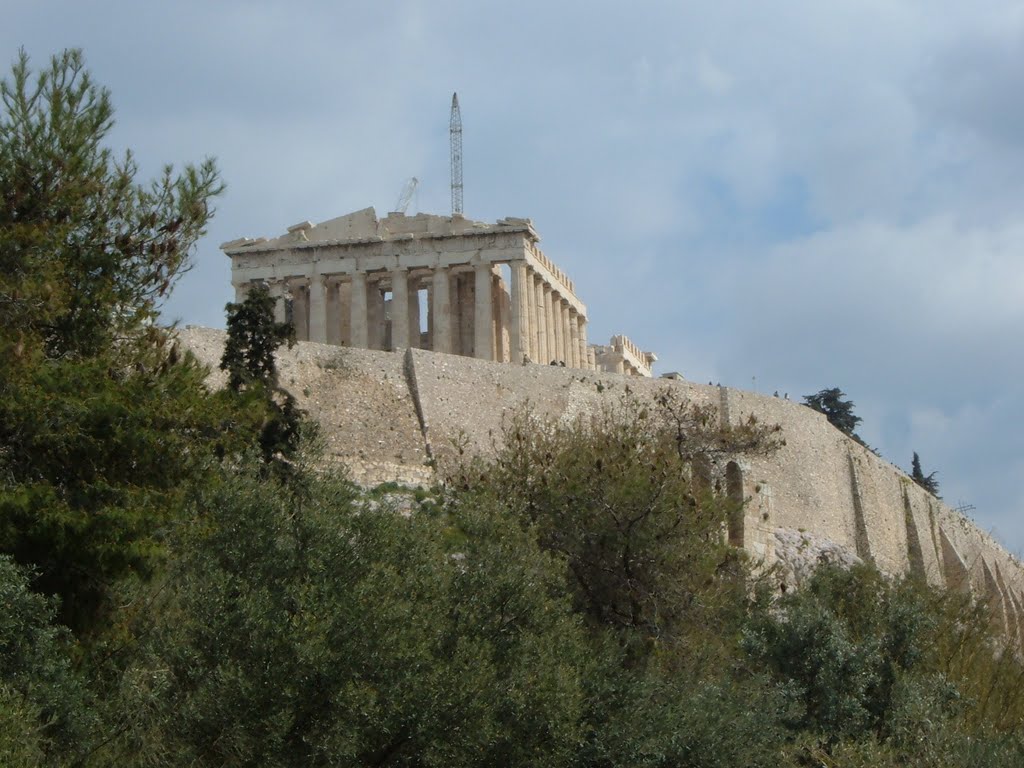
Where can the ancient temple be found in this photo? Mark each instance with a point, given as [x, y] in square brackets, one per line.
[448, 284]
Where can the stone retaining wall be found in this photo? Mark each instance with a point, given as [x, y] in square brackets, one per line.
[395, 415]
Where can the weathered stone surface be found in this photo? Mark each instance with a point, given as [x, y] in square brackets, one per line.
[384, 413]
[359, 397]
[799, 553]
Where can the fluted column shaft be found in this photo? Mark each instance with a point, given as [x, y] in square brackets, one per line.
[574, 340]
[317, 310]
[483, 330]
[277, 290]
[399, 309]
[357, 304]
[540, 315]
[518, 328]
[581, 324]
[549, 322]
[556, 317]
[414, 313]
[441, 309]
[529, 320]
[332, 312]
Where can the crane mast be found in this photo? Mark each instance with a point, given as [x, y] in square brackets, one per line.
[455, 132]
[406, 195]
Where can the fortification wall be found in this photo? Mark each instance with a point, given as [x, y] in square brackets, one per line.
[361, 399]
[396, 415]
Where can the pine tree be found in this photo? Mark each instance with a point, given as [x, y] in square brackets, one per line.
[86, 252]
[837, 410]
[253, 338]
[928, 482]
[101, 425]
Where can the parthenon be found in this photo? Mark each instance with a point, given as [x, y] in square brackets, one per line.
[448, 284]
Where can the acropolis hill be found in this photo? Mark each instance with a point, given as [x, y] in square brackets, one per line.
[394, 393]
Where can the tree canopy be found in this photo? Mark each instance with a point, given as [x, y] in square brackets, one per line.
[929, 482]
[102, 422]
[87, 253]
[837, 409]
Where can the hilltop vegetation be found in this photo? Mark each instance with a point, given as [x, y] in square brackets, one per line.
[183, 583]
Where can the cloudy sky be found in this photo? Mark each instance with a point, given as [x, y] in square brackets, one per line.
[781, 196]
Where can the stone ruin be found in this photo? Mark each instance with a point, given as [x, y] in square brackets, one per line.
[445, 284]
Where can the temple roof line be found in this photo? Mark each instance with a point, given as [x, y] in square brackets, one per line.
[364, 227]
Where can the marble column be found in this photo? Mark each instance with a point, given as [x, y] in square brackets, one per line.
[317, 309]
[567, 339]
[483, 317]
[529, 320]
[463, 312]
[441, 310]
[399, 309]
[300, 309]
[556, 318]
[574, 340]
[359, 310]
[499, 321]
[414, 312]
[376, 321]
[540, 315]
[549, 323]
[332, 312]
[581, 325]
[277, 290]
[345, 312]
[519, 328]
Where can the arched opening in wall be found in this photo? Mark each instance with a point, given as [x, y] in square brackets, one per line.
[734, 492]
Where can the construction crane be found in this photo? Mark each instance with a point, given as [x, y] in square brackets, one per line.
[407, 192]
[455, 132]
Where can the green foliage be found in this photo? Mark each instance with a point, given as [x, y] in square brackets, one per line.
[842, 641]
[928, 482]
[698, 715]
[86, 253]
[94, 460]
[615, 496]
[622, 497]
[253, 338]
[44, 717]
[891, 673]
[101, 424]
[837, 410]
[312, 630]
